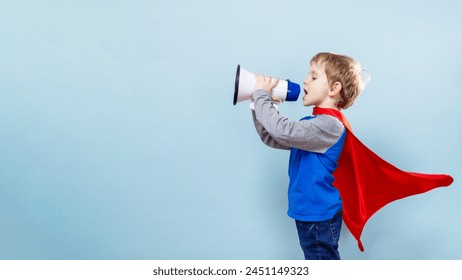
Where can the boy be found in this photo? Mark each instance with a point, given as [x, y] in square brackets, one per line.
[316, 142]
[323, 147]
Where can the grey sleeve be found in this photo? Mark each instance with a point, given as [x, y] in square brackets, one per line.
[317, 134]
[265, 136]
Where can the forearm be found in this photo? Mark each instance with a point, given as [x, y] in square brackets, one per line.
[279, 127]
[265, 136]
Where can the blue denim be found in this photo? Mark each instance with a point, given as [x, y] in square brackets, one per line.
[319, 240]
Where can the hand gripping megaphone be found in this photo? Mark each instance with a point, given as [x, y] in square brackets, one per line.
[244, 86]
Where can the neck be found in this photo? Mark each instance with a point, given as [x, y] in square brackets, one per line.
[328, 106]
[329, 103]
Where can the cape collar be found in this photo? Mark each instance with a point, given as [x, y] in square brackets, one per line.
[334, 113]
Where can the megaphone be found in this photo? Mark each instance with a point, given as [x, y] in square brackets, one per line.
[244, 86]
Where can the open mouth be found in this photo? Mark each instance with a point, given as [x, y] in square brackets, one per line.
[306, 92]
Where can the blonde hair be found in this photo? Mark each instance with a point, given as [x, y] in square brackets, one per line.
[345, 70]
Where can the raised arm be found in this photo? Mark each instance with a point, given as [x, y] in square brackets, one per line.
[317, 134]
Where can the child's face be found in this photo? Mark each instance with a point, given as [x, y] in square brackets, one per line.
[315, 86]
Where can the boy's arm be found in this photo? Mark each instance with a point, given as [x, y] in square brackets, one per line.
[265, 136]
[316, 135]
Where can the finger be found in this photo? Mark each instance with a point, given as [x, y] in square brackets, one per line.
[261, 77]
[275, 81]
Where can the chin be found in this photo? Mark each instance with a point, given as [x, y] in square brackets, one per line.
[306, 104]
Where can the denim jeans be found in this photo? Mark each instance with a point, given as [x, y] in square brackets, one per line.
[319, 240]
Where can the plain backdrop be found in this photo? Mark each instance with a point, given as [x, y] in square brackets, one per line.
[119, 140]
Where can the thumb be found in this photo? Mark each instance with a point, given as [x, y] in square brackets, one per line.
[275, 98]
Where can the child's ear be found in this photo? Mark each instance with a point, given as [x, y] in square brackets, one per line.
[335, 89]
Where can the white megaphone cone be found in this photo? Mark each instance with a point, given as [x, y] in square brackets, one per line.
[244, 86]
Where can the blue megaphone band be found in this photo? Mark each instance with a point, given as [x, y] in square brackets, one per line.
[293, 91]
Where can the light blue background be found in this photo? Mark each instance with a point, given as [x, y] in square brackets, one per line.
[119, 140]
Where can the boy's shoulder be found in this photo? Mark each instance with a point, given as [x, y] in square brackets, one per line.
[326, 123]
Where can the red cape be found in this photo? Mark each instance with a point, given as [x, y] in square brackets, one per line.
[367, 183]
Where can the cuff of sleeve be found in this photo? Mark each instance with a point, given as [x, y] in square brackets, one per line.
[252, 106]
